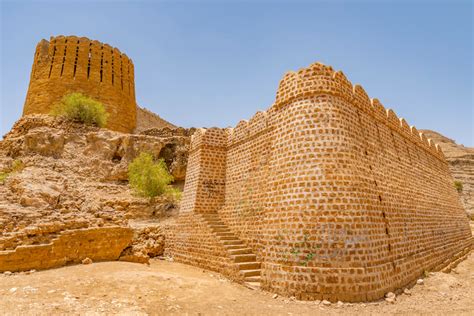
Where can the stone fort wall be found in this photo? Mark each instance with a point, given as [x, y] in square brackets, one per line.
[338, 197]
[68, 64]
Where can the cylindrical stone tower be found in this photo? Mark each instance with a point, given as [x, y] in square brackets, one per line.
[69, 64]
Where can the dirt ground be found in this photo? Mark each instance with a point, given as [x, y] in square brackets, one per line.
[168, 288]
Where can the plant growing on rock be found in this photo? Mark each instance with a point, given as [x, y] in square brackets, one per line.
[17, 166]
[3, 176]
[150, 178]
[458, 186]
[81, 108]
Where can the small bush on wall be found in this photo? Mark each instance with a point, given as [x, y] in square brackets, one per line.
[81, 108]
[149, 178]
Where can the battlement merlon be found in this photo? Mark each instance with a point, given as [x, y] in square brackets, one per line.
[319, 79]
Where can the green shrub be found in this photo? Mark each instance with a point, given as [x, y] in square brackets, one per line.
[17, 166]
[3, 176]
[81, 108]
[149, 178]
[174, 193]
[458, 186]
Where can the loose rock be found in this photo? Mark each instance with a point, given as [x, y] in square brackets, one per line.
[87, 261]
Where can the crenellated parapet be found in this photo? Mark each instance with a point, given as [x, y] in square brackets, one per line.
[246, 130]
[67, 64]
[210, 137]
[319, 79]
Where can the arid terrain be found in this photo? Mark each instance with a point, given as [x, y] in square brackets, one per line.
[72, 179]
[56, 177]
[175, 289]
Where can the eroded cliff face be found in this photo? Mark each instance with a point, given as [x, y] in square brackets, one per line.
[461, 164]
[70, 187]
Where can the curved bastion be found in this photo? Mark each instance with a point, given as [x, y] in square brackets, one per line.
[69, 64]
[326, 195]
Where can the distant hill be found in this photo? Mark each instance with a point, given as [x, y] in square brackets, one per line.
[461, 163]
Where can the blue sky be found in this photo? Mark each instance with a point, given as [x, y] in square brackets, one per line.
[212, 63]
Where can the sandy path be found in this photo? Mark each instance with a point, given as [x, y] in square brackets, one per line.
[173, 288]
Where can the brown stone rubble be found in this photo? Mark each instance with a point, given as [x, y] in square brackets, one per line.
[71, 199]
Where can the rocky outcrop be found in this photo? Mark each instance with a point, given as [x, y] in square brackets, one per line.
[148, 242]
[72, 246]
[175, 156]
[147, 119]
[461, 163]
[72, 180]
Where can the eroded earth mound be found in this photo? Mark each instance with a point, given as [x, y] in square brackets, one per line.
[66, 195]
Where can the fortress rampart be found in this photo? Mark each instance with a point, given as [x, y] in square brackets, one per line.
[68, 64]
[336, 196]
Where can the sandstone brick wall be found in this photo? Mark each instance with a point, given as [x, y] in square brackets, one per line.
[190, 240]
[338, 197]
[99, 244]
[68, 64]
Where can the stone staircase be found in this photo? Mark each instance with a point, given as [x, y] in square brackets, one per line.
[236, 249]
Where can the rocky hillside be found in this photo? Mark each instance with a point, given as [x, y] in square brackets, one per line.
[64, 184]
[461, 163]
[147, 119]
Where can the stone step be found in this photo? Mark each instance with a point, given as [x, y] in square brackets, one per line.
[256, 278]
[234, 247]
[249, 273]
[214, 222]
[244, 258]
[220, 229]
[232, 242]
[210, 215]
[219, 226]
[213, 225]
[212, 219]
[228, 238]
[248, 265]
[253, 285]
[241, 251]
[222, 234]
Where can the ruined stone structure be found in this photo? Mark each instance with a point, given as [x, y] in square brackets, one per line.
[148, 120]
[99, 244]
[326, 195]
[78, 64]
